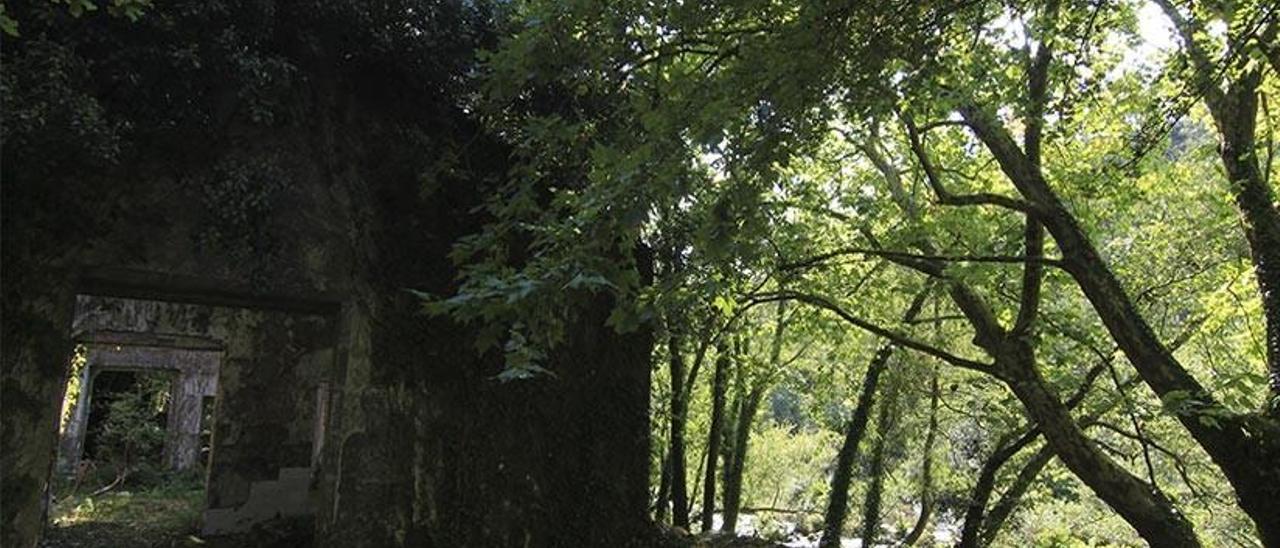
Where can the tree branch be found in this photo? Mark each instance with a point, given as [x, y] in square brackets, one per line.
[941, 318]
[1178, 463]
[934, 179]
[1037, 98]
[893, 336]
[904, 255]
[1032, 278]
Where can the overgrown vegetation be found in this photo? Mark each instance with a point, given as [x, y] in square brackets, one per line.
[1056, 220]
[923, 272]
[154, 511]
[163, 512]
[133, 432]
[127, 431]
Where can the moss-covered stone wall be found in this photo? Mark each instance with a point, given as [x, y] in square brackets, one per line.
[422, 446]
[273, 368]
[36, 351]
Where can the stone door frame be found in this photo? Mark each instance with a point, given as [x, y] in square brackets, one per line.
[131, 283]
[194, 361]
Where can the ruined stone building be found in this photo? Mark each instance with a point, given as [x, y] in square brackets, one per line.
[236, 195]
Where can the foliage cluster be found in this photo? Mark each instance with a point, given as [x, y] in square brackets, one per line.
[1082, 205]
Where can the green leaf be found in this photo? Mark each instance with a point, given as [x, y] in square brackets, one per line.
[725, 305]
[8, 24]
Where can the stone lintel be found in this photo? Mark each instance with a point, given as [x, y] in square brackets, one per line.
[155, 340]
[162, 286]
[122, 356]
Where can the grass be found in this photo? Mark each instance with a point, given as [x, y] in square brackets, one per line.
[155, 510]
[160, 516]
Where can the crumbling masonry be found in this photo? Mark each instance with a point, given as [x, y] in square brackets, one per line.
[338, 402]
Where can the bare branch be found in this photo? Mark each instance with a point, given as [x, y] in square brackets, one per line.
[1032, 278]
[1137, 425]
[1178, 463]
[934, 179]
[904, 255]
[942, 318]
[893, 336]
[1038, 84]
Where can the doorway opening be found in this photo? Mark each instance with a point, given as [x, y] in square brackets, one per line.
[128, 416]
[136, 423]
[189, 420]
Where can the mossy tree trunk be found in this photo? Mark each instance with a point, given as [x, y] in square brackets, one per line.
[755, 386]
[715, 434]
[736, 464]
[926, 467]
[1246, 447]
[676, 451]
[886, 421]
[842, 477]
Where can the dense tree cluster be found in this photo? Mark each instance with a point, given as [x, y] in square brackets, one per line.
[1062, 216]
[986, 267]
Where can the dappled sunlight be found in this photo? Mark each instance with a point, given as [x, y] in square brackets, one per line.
[640, 273]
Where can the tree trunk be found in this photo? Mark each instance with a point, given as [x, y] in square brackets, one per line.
[1246, 448]
[733, 473]
[1148, 511]
[1262, 229]
[675, 454]
[664, 491]
[885, 420]
[975, 526]
[1235, 113]
[842, 478]
[746, 415]
[719, 385]
[1013, 495]
[926, 467]
[1255, 466]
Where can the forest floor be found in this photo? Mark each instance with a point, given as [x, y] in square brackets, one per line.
[158, 517]
[163, 516]
[167, 515]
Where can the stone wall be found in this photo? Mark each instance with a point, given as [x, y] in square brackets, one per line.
[36, 352]
[270, 366]
[431, 450]
[195, 371]
[421, 446]
[265, 411]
